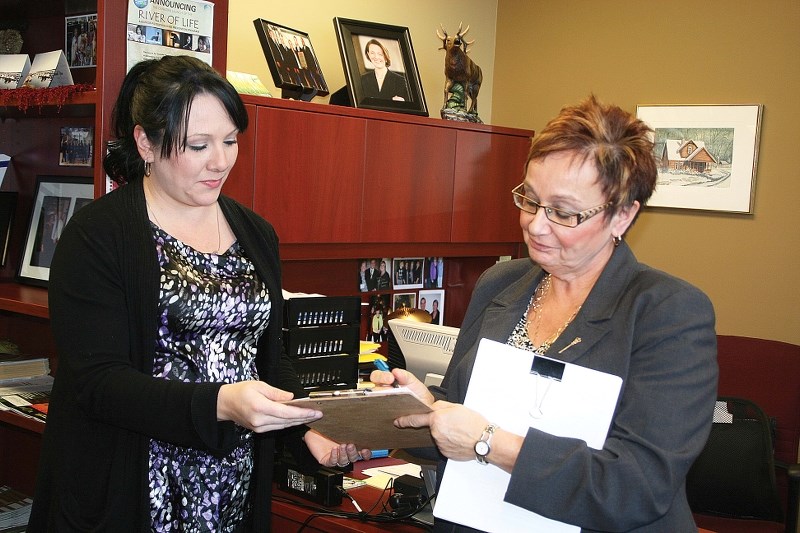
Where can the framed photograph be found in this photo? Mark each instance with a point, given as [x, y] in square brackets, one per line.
[8, 204]
[407, 272]
[75, 148]
[405, 299]
[56, 199]
[433, 272]
[706, 155]
[377, 321]
[292, 61]
[80, 44]
[432, 301]
[379, 67]
[375, 274]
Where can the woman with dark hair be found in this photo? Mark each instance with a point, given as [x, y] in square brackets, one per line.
[380, 82]
[166, 306]
[582, 297]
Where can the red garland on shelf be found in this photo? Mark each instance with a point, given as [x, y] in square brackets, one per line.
[25, 97]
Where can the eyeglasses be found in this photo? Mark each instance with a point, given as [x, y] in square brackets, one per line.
[557, 216]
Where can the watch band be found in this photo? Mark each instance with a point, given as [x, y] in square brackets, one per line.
[483, 446]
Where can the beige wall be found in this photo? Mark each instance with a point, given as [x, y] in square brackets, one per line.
[631, 52]
[421, 17]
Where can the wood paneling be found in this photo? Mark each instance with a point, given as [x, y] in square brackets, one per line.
[487, 167]
[408, 188]
[309, 171]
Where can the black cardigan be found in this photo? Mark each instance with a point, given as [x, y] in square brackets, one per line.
[106, 406]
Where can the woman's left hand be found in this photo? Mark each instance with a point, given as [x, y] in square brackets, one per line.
[330, 453]
[454, 428]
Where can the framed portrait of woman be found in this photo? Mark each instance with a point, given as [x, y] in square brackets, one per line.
[379, 67]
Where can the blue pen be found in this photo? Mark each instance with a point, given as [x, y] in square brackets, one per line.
[379, 453]
[380, 364]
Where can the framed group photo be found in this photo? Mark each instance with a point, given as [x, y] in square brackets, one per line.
[375, 274]
[706, 155]
[80, 46]
[292, 61]
[76, 146]
[408, 272]
[56, 199]
[380, 67]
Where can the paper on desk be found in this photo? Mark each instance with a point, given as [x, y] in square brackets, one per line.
[394, 471]
[503, 389]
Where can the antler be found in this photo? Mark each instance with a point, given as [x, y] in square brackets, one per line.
[439, 34]
[460, 33]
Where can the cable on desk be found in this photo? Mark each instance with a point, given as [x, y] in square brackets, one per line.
[387, 516]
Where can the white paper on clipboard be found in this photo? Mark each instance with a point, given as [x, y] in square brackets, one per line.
[503, 389]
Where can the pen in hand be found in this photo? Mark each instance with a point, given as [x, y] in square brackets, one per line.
[380, 364]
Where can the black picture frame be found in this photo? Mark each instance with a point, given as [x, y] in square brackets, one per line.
[56, 199]
[354, 38]
[8, 205]
[297, 72]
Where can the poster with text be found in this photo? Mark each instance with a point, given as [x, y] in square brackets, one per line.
[169, 27]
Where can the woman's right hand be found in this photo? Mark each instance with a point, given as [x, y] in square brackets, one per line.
[257, 406]
[406, 379]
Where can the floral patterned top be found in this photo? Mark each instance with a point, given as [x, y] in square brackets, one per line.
[214, 308]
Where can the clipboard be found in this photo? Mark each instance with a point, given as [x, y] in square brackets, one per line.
[517, 389]
[365, 417]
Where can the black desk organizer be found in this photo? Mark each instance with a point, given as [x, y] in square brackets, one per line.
[321, 336]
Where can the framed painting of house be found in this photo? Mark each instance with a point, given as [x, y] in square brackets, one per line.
[706, 155]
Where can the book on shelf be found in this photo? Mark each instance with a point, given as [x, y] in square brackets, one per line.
[14, 366]
[27, 397]
[15, 509]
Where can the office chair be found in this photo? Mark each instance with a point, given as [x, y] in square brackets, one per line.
[767, 373]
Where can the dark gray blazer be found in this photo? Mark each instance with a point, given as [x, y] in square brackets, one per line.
[657, 333]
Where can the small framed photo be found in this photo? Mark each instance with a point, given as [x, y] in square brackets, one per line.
[76, 147]
[407, 272]
[377, 321]
[380, 67]
[292, 61]
[706, 155]
[56, 199]
[405, 299]
[375, 274]
[80, 44]
[433, 272]
[432, 301]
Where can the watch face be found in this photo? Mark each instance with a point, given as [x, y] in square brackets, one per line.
[481, 447]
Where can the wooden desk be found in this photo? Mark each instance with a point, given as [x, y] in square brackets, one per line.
[288, 517]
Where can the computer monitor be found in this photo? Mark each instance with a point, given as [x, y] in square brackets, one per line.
[424, 349]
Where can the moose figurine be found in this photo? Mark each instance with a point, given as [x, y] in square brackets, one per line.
[463, 77]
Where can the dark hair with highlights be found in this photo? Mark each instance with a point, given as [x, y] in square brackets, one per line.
[157, 95]
[615, 141]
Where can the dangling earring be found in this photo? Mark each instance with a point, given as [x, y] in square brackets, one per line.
[617, 239]
[147, 168]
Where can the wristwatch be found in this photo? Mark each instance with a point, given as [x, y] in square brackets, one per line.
[483, 446]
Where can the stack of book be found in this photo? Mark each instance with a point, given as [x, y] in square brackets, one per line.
[22, 366]
[15, 509]
[25, 385]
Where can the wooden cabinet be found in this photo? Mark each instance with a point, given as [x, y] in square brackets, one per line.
[332, 175]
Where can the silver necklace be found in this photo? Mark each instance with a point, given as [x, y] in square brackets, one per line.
[219, 231]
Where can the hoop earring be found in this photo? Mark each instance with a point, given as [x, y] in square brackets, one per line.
[147, 168]
[617, 239]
